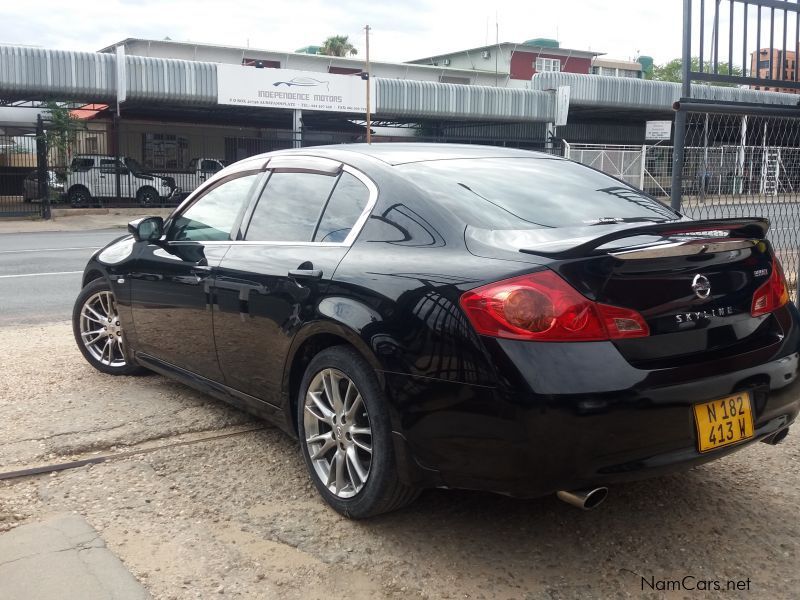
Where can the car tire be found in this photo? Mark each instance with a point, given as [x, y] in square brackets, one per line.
[97, 330]
[147, 197]
[372, 486]
[79, 196]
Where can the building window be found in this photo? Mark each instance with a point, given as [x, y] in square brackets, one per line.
[260, 63]
[451, 79]
[547, 64]
[164, 151]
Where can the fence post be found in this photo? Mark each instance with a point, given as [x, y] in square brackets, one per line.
[41, 168]
[117, 166]
[642, 167]
[567, 149]
[676, 188]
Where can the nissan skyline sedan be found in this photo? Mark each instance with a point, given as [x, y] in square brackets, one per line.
[423, 315]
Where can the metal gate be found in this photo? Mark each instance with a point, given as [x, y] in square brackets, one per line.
[19, 182]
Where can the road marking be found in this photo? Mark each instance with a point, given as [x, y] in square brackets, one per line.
[48, 250]
[39, 274]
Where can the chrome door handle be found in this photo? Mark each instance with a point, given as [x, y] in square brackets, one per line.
[305, 274]
[200, 270]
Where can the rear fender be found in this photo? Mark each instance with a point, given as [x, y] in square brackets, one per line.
[343, 318]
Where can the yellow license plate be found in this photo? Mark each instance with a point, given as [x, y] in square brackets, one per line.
[723, 422]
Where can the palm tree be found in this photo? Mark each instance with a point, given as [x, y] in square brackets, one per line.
[338, 45]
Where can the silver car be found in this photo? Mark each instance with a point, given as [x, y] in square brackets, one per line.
[30, 186]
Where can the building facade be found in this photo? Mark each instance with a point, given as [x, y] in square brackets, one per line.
[513, 64]
[774, 64]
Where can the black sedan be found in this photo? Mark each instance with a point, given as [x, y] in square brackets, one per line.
[455, 316]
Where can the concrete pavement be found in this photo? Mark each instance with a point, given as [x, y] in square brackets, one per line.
[81, 219]
[62, 557]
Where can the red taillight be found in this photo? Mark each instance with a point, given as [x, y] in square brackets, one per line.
[773, 294]
[542, 306]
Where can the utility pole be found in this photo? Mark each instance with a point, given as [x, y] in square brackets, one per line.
[369, 126]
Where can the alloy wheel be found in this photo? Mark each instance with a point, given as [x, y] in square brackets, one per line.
[338, 433]
[100, 329]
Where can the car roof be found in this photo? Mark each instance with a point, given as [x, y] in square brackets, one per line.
[398, 153]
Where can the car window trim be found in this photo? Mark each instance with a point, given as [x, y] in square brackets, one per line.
[358, 225]
[325, 205]
[217, 183]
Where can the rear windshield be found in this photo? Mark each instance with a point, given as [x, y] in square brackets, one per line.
[524, 193]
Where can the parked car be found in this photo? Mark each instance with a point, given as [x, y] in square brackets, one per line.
[30, 186]
[94, 176]
[425, 315]
[198, 171]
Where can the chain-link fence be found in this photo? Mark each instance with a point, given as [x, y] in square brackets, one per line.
[743, 166]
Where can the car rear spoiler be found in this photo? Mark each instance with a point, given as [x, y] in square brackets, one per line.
[752, 228]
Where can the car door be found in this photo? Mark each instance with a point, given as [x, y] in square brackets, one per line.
[171, 279]
[106, 178]
[269, 284]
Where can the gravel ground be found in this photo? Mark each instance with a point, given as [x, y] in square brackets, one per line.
[237, 517]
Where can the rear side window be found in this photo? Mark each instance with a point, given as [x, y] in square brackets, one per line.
[525, 193]
[347, 202]
[82, 164]
[289, 207]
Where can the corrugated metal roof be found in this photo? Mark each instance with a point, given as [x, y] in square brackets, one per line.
[37, 73]
[638, 94]
[171, 80]
[43, 74]
[402, 98]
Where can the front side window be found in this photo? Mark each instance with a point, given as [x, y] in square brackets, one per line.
[289, 207]
[210, 166]
[212, 216]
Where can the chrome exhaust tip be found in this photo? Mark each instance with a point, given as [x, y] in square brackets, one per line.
[584, 499]
[777, 438]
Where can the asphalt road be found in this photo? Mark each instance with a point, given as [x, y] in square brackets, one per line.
[40, 273]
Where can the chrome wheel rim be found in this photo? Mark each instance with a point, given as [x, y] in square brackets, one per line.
[101, 332]
[338, 433]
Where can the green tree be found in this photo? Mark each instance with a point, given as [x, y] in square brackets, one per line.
[671, 71]
[338, 45]
[61, 130]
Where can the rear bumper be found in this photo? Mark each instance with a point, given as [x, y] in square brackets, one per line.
[569, 416]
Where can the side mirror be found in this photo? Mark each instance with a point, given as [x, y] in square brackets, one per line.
[146, 229]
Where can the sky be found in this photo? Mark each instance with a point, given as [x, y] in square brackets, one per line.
[401, 30]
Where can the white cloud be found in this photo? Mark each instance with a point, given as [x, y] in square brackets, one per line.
[401, 31]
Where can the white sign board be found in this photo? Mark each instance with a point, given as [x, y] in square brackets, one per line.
[562, 105]
[658, 130]
[122, 83]
[285, 88]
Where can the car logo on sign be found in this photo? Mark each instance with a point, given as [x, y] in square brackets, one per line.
[701, 286]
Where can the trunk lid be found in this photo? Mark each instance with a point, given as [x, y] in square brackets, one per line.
[692, 281]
